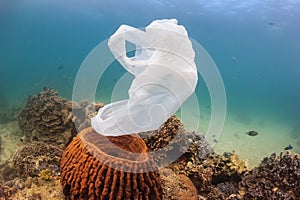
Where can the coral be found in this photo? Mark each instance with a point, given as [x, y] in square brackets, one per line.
[47, 118]
[214, 177]
[199, 148]
[46, 175]
[90, 168]
[277, 177]
[227, 188]
[31, 159]
[164, 134]
[7, 192]
[227, 167]
[177, 186]
[83, 112]
[54, 120]
[7, 172]
[40, 190]
[175, 140]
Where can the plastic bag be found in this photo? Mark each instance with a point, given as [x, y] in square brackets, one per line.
[165, 76]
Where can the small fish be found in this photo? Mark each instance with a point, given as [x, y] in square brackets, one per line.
[60, 67]
[271, 23]
[252, 133]
[289, 147]
[228, 154]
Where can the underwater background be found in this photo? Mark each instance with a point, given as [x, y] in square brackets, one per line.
[255, 44]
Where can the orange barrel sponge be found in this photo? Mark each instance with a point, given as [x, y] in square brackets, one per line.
[94, 166]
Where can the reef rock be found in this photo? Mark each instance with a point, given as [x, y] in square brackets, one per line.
[277, 177]
[98, 167]
[33, 158]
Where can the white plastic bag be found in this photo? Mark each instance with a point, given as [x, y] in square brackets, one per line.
[165, 76]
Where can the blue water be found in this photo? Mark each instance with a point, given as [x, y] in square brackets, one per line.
[43, 43]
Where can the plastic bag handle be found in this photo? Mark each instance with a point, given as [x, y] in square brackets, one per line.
[118, 48]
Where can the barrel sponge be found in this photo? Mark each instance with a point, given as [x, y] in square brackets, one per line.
[93, 168]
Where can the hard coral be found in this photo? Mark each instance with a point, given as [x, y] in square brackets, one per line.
[47, 118]
[277, 177]
[98, 167]
[54, 120]
[83, 112]
[215, 177]
[7, 192]
[46, 174]
[31, 159]
[173, 139]
[227, 167]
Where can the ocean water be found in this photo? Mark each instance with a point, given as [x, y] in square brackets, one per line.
[255, 45]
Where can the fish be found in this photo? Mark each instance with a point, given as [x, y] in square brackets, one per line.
[60, 67]
[271, 23]
[252, 133]
[289, 147]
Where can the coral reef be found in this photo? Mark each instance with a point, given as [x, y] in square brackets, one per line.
[31, 159]
[214, 177]
[89, 168]
[277, 177]
[227, 167]
[177, 186]
[47, 118]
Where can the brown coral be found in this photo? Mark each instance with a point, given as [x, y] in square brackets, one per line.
[47, 118]
[31, 159]
[98, 167]
[7, 192]
[216, 177]
[83, 112]
[171, 140]
[54, 120]
[277, 177]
